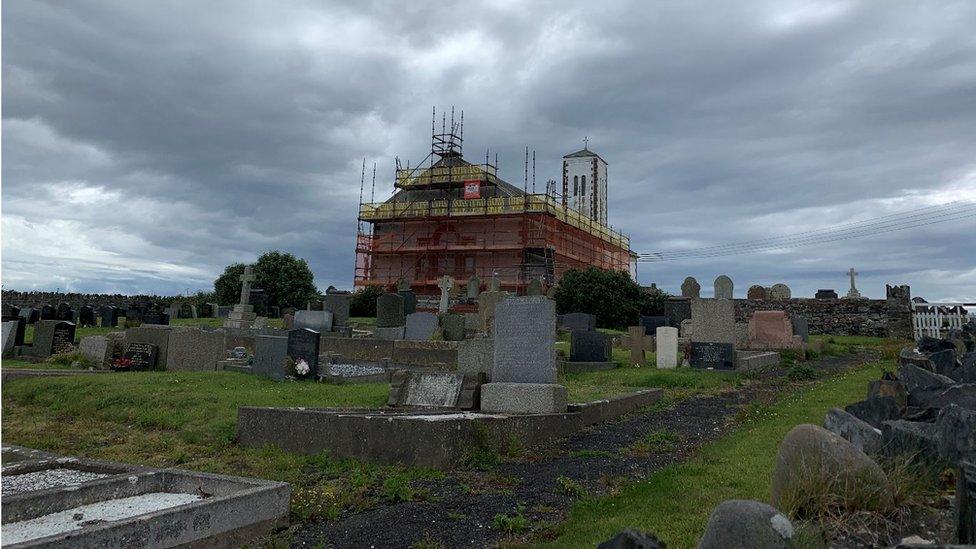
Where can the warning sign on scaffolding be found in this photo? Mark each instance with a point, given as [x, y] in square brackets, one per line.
[472, 189]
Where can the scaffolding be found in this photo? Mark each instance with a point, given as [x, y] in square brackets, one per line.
[450, 217]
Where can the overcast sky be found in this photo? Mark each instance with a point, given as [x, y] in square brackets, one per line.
[146, 145]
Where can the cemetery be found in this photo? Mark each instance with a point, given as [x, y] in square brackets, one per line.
[400, 395]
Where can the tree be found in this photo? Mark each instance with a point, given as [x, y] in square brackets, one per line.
[363, 301]
[286, 280]
[613, 297]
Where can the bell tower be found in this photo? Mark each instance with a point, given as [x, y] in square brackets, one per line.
[585, 183]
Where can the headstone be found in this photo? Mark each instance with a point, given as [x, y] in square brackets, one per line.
[154, 335]
[173, 311]
[191, 349]
[389, 311]
[288, 321]
[243, 315]
[487, 303]
[801, 327]
[667, 347]
[109, 317]
[723, 287]
[10, 310]
[320, 321]
[535, 287]
[452, 326]
[652, 323]
[258, 300]
[779, 291]
[9, 335]
[409, 301]
[65, 312]
[713, 321]
[96, 349]
[86, 316]
[445, 284]
[756, 292]
[475, 356]
[139, 357]
[404, 285]
[338, 305]
[825, 294]
[214, 310]
[52, 337]
[772, 330]
[677, 310]
[133, 315]
[260, 323]
[853, 293]
[474, 287]
[303, 345]
[155, 316]
[635, 336]
[720, 356]
[494, 284]
[690, 288]
[48, 313]
[224, 311]
[578, 322]
[19, 329]
[270, 353]
[589, 347]
[30, 315]
[420, 326]
[525, 336]
[430, 390]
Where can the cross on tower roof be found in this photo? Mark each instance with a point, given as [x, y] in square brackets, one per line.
[586, 141]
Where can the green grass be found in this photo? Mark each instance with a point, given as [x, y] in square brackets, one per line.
[675, 502]
[678, 383]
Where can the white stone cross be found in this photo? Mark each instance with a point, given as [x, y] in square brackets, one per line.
[853, 291]
[246, 279]
[445, 284]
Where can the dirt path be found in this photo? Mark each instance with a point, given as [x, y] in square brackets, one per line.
[463, 504]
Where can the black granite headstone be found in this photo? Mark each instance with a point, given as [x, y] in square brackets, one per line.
[652, 323]
[409, 301]
[133, 314]
[676, 310]
[589, 347]
[30, 315]
[109, 317]
[65, 312]
[48, 313]
[139, 357]
[21, 326]
[63, 337]
[155, 316]
[825, 294]
[720, 356]
[303, 344]
[259, 300]
[11, 310]
[86, 316]
[574, 322]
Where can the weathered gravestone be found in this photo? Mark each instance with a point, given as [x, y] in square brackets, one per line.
[772, 330]
[9, 335]
[270, 354]
[524, 371]
[474, 287]
[65, 312]
[338, 305]
[52, 337]
[475, 356]
[635, 336]
[48, 313]
[690, 288]
[173, 311]
[446, 283]
[535, 287]
[652, 323]
[720, 356]
[409, 301]
[452, 326]
[108, 317]
[155, 316]
[826, 294]
[494, 284]
[487, 303]
[18, 330]
[677, 310]
[288, 321]
[258, 300]
[190, 349]
[420, 326]
[86, 316]
[320, 321]
[133, 315]
[428, 390]
[713, 321]
[97, 350]
[779, 291]
[756, 292]
[303, 346]
[589, 347]
[723, 287]
[667, 347]
[801, 327]
[578, 322]
[30, 315]
[153, 335]
[139, 357]
[389, 311]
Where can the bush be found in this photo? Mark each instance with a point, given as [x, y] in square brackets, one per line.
[363, 301]
[285, 279]
[613, 297]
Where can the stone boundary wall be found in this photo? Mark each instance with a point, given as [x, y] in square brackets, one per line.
[865, 317]
[76, 300]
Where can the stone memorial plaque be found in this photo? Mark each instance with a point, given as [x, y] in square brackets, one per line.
[652, 323]
[420, 326]
[434, 390]
[303, 344]
[524, 330]
[589, 347]
[720, 356]
[677, 310]
[581, 322]
[18, 329]
[139, 357]
[389, 311]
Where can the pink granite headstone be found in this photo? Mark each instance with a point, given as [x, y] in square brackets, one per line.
[772, 330]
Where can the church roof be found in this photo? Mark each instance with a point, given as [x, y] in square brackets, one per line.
[584, 153]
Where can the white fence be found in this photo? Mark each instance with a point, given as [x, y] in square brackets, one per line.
[936, 319]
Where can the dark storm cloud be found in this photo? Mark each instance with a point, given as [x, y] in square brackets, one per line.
[147, 145]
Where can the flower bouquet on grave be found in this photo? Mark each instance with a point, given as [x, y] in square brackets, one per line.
[122, 364]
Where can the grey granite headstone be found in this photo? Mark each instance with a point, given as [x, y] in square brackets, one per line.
[452, 326]
[338, 305]
[801, 327]
[713, 320]
[720, 356]
[779, 291]
[320, 321]
[389, 311]
[19, 329]
[723, 287]
[409, 301]
[191, 349]
[525, 336]
[535, 287]
[690, 288]
[589, 347]
[433, 390]
[475, 356]
[420, 326]
[677, 310]
[53, 337]
[9, 336]
[474, 287]
[270, 353]
[109, 317]
[153, 335]
[581, 322]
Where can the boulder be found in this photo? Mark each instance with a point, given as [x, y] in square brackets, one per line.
[632, 539]
[929, 344]
[812, 458]
[921, 383]
[854, 430]
[961, 394]
[889, 388]
[944, 363]
[968, 368]
[956, 432]
[913, 439]
[909, 355]
[744, 523]
[875, 410]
